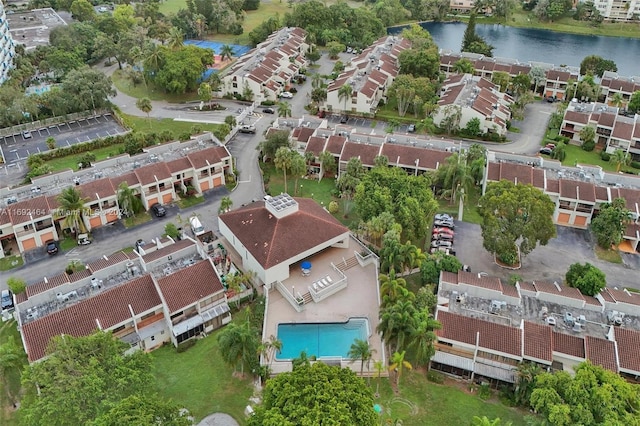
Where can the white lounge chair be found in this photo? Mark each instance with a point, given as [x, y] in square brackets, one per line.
[320, 284]
[329, 280]
[315, 287]
[325, 282]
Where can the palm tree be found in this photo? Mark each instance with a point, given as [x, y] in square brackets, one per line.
[344, 94]
[214, 81]
[176, 37]
[144, 105]
[269, 348]
[154, 58]
[225, 205]
[298, 168]
[11, 358]
[327, 163]
[283, 160]
[617, 100]
[526, 380]
[463, 66]
[538, 76]
[238, 342]
[317, 81]
[398, 364]
[362, 350]
[128, 202]
[485, 421]
[226, 52]
[72, 207]
[423, 336]
[284, 109]
[205, 93]
[379, 367]
[620, 158]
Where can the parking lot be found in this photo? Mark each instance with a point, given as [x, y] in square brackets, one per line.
[19, 146]
[365, 123]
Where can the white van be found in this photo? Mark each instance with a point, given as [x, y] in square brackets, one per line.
[196, 226]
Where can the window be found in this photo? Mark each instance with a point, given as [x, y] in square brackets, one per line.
[161, 186]
[153, 338]
[115, 330]
[149, 315]
[94, 206]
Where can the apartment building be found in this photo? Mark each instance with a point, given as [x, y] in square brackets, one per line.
[369, 75]
[268, 70]
[618, 10]
[489, 327]
[168, 292]
[616, 86]
[474, 97]
[613, 130]
[32, 220]
[7, 46]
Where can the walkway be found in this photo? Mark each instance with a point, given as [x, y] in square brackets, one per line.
[218, 419]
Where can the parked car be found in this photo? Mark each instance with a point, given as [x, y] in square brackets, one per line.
[444, 224]
[83, 239]
[7, 299]
[411, 128]
[268, 111]
[286, 95]
[550, 146]
[158, 210]
[546, 151]
[443, 216]
[344, 119]
[442, 237]
[26, 134]
[443, 231]
[248, 129]
[441, 243]
[52, 247]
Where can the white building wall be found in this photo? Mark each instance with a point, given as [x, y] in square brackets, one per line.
[7, 46]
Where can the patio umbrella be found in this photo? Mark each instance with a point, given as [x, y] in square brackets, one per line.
[305, 265]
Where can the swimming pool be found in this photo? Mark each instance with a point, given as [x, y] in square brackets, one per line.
[321, 339]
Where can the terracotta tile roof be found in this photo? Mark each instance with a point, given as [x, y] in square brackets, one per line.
[622, 130]
[576, 117]
[179, 165]
[405, 155]
[450, 277]
[21, 297]
[77, 276]
[32, 208]
[483, 83]
[494, 172]
[568, 344]
[607, 296]
[632, 230]
[97, 189]
[623, 296]
[590, 300]
[628, 344]
[577, 190]
[538, 341]
[4, 217]
[601, 352]
[366, 153]
[304, 134]
[565, 291]
[510, 290]
[450, 95]
[602, 194]
[453, 79]
[50, 283]
[166, 251]
[148, 174]
[315, 145]
[525, 286]
[213, 155]
[271, 240]
[520, 69]
[496, 337]
[102, 263]
[555, 75]
[538, 178]
[109, 308]
[490, 283]
[189, 285]
[553, 186]
[130, 178]
[606, 119]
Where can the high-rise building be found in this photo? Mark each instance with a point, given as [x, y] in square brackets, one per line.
[7, 46]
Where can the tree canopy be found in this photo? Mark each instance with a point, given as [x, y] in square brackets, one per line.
[84, 379]
[316, 394]
[472, 42]
[596, 65]
[586, 278]
[515, 215]
[609, 224]
[634, 102]
[594, 396]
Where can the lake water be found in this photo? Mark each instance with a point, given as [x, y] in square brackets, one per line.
[527, 44]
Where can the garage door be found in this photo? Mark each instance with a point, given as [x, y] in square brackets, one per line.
[46, 237]
[95, 222]
[549, 93]
[204, 185]
[217, 181]
[167, 198]
[28, 244]
[581, 221]
[563, 218]
[152, 201]
[112, 215]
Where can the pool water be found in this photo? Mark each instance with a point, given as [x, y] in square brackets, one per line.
[320, 339]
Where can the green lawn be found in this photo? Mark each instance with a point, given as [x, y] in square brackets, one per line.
[610, 255]
[422, 403]
[7, 417]
[190, 201]
[199, 380]
[470, 213]
[124, 84]
[158, 125]
[71, 161]
[68, 243]
[10, 262]
[136, 220]
[577, 155]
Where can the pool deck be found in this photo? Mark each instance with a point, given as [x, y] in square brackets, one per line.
[359, 299]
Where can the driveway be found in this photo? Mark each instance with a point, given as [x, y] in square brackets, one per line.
[548, 263]
[532, 129]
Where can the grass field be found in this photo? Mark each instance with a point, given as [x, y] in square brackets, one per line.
[7, 416]
[610, 255]
[158, 125]
[199, 380]
[124, 84]
[10, 262]
[71, 161]
[470, 213]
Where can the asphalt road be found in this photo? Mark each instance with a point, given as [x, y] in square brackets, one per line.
[17, 148]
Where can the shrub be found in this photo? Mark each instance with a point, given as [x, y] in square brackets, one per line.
[635, 164]
[333, 207]
[484, 391]
[588, 145]
[508, 258]
[186, 345]
[605, 156]
[435, 377]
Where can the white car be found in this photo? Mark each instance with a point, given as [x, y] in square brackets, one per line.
[286, 95]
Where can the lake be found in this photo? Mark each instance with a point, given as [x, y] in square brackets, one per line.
[527, 44]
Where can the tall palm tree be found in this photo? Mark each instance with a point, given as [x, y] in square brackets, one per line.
[144, 105]
[617, 100]
[317, 81]
[298, 168]
[226, 52]
[620, 158]
[283, 160]
[486, 421]
[284, 109]
[154, 54]
[327, 163]
[176, 37]
[238, 343]
[398, 364]
[423, 336]
[463, 66]
[11, 358]
[128, 202]
[269, 348]
[379, 367]
[361, 350]
[344, 94]
[72, 207]
[225, 205]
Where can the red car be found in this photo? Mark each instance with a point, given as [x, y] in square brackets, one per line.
[443, 231]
